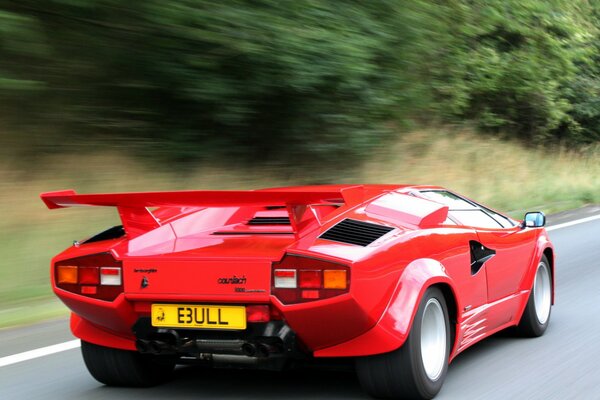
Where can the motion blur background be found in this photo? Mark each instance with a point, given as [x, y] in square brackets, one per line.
[496, 99]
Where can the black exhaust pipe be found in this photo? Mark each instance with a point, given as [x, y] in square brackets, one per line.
[266, 349]
[155, 347]
[249, 349]
[262, 350]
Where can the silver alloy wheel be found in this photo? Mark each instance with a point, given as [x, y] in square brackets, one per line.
[433, 339]
[542, 293]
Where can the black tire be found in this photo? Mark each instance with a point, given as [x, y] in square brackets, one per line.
[115, 367]
[530, 325]
[401, 373]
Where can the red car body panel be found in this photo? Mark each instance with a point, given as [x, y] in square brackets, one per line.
[193, 239]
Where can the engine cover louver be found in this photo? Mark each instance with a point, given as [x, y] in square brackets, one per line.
[269, 221]
[355, 232]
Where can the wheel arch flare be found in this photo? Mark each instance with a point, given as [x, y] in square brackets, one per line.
[393, 327]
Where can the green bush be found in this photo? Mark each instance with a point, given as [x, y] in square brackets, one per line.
[513, 61]
[292, 80]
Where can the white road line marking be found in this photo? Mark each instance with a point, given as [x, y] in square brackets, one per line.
[41, 352]
[571, 223]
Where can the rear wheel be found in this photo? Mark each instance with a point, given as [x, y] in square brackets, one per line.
[417, 369]
[116, 367]
[536, 316]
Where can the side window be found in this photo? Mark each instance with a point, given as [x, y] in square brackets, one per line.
[449, 199]
[501, 219]
[467, 212]
[475, 218]
[448, 221]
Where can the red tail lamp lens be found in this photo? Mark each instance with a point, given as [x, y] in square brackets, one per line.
[310, 279]
[310, 294]
[89, 290]
[258, 313]
[89, 275]
[298, 279]
[98, 276]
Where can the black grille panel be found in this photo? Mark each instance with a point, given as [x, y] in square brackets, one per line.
[355, 232]
[269, 221]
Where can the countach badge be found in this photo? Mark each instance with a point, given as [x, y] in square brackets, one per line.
[234, 280]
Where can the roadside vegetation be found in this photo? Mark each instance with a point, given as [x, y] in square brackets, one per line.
[503, 174]
[182, 81]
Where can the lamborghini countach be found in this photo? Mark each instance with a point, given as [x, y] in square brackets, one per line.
[400, 279]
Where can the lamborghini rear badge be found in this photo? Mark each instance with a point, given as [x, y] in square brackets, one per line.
[232, 280]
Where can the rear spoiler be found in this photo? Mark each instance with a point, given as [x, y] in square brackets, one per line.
[137, 219]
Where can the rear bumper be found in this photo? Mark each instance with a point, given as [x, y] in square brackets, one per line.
[314, 325]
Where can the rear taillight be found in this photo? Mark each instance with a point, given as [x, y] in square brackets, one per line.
[99, 276]
[258, 313]
[285, 278]
[299, 279]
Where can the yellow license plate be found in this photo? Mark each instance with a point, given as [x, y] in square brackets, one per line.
[198, 316]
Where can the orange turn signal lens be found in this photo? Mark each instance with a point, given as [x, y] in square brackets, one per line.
[67, 274]
[335, 279]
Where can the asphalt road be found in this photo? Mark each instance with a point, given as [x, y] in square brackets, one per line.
[563, 364]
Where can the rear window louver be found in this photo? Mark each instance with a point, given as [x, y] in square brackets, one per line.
[269, 221]
[355, 232]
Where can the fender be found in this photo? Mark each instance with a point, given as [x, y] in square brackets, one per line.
[91, 333]
[543, 245]
[392, 329]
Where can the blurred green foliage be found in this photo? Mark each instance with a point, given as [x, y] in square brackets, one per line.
[269, 79]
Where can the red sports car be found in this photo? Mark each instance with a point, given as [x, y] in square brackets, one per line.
[399, 278]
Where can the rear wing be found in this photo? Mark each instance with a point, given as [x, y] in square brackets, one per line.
[137, 219]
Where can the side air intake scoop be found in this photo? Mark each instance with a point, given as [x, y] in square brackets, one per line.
[408, 209]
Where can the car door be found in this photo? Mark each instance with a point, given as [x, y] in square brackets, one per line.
[505, 271]
[505, 246]
[501, 253]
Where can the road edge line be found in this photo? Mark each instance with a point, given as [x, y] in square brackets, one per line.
[571, 223]
[41, 352]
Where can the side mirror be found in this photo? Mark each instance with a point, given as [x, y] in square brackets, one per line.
[534, 219]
